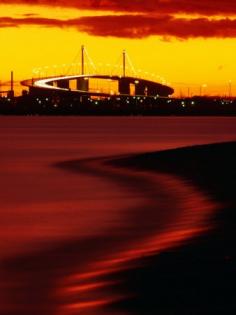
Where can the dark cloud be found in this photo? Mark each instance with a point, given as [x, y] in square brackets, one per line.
[209, 7]
[136, 26]
[29, 14]
[152, 17]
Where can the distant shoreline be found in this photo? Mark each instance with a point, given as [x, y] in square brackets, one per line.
[61, 105]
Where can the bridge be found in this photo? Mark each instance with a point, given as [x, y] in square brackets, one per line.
[99, 85]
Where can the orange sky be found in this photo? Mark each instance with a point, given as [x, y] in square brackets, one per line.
[188, 50]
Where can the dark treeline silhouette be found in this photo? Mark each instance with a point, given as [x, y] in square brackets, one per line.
[28, 104]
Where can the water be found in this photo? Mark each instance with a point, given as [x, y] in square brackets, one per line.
[95, 212]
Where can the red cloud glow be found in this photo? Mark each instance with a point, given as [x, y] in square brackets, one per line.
[153, 17]
[135, 26]
[209, 7]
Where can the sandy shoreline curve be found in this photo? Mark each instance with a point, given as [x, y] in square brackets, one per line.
[144, 266]
[199, 277]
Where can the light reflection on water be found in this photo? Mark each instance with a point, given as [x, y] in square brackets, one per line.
[186, 214]
[59, 225]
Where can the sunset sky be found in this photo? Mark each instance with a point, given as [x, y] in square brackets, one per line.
[189, 43]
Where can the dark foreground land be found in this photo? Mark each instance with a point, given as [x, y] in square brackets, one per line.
[28, 104]
[199, 277]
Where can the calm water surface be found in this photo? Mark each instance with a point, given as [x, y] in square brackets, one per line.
[95, 212]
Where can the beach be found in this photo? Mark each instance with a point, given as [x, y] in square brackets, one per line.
[199, 276]
[126, 215]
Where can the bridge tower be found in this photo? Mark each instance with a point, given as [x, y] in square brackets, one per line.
[124, 63]
[82, 83]
[82, 59]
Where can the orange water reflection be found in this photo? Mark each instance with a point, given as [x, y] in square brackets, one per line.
[192, 219]
[66, 232]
